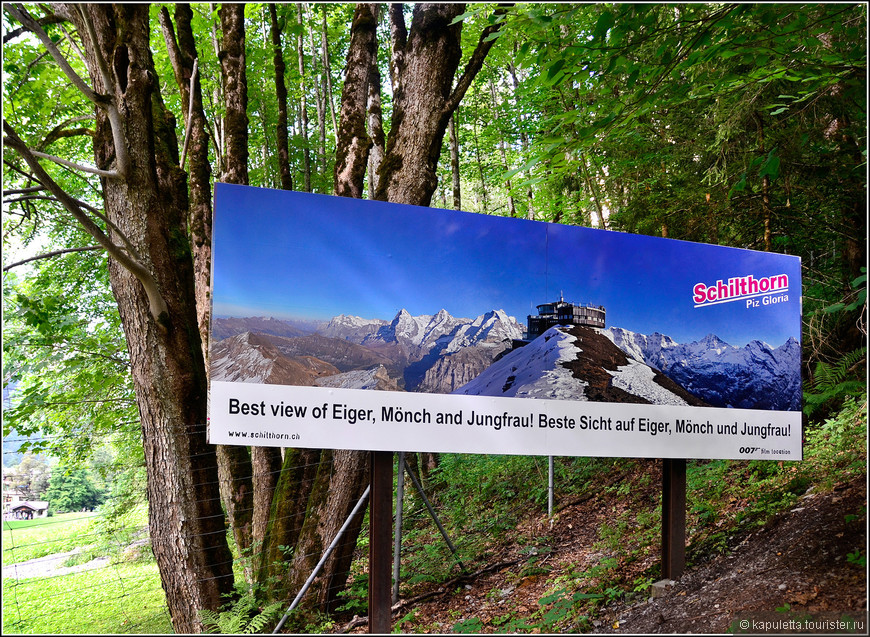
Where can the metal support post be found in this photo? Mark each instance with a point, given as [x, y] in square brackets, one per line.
[323, 559]
[673, 518]
[550, 487]
[397, 538]
[434, 515]
[381, 528]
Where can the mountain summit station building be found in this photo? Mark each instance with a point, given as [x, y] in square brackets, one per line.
[563, 313]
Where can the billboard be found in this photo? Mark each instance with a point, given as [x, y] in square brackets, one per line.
[353, 324]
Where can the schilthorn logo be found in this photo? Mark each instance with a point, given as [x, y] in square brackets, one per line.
[753, 291]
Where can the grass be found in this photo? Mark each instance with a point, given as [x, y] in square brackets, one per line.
[125, 597]
[30, 539]
[122, 598]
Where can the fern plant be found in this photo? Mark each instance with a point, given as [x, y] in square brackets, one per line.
[243, 617]
[834, 381]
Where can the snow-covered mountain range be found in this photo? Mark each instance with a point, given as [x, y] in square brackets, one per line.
[433, 353]
[439, 353]
[756, 376]
[576, 363]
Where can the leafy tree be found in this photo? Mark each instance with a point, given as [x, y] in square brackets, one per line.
[73, 490]
[31, 475]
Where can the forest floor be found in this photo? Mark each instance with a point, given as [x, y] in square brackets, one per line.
[806, 561]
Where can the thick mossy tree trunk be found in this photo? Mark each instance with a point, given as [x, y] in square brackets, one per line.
[148, 204]
[286, 518]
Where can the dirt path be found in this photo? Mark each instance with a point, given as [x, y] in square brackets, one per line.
[51, 566]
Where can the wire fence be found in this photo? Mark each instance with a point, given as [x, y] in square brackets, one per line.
[98, 573]
[63, 570]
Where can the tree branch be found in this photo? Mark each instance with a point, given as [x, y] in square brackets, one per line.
[157, 304]
[18, 12]
[48, 255]
[23, 191]
[399, 37]
[58, 131]
[121, 161]
[475, 63]
[189, 114]
[71, 164]
[49, 19]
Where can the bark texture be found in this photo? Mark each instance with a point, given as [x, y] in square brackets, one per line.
[151, 208]
[232, 58]
[286, 517]
[424, 64]
[284, 172]
[181, 46]
[354, 143]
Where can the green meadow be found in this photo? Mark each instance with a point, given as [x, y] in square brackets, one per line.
[123, 597]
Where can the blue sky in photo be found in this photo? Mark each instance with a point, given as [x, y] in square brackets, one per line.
[296, 255]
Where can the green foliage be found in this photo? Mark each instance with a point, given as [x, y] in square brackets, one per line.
[73, 491]
[468, 626]
[858, 558]
[357, 595]
[834, 382]
[63, 342]
[244, 616]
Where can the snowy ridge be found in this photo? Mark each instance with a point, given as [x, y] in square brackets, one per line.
[352, 328]
[238, 360]
[491, 329]
[755, 376]
[533, 371]
[637, 378]
[575, 363]
[376, 378]
[252, 358]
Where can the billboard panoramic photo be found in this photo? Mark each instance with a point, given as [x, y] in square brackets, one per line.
[355, 324]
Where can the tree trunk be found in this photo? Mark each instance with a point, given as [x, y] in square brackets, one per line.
[351, 475]
[424, 64]
[327, 71]
[502, 148]
[151, 207]
[303, 107]
[236, 468]
[319, 102]
[286, 517]
[266, 465]
[232, 58]
[183, 55]
[484, 195]
[454, 163]
[354, 143]
[217, 96]
[524, 140]
[375, 119]
[281, 97]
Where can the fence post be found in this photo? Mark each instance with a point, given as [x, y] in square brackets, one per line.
[673, 518]
[381, 525]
